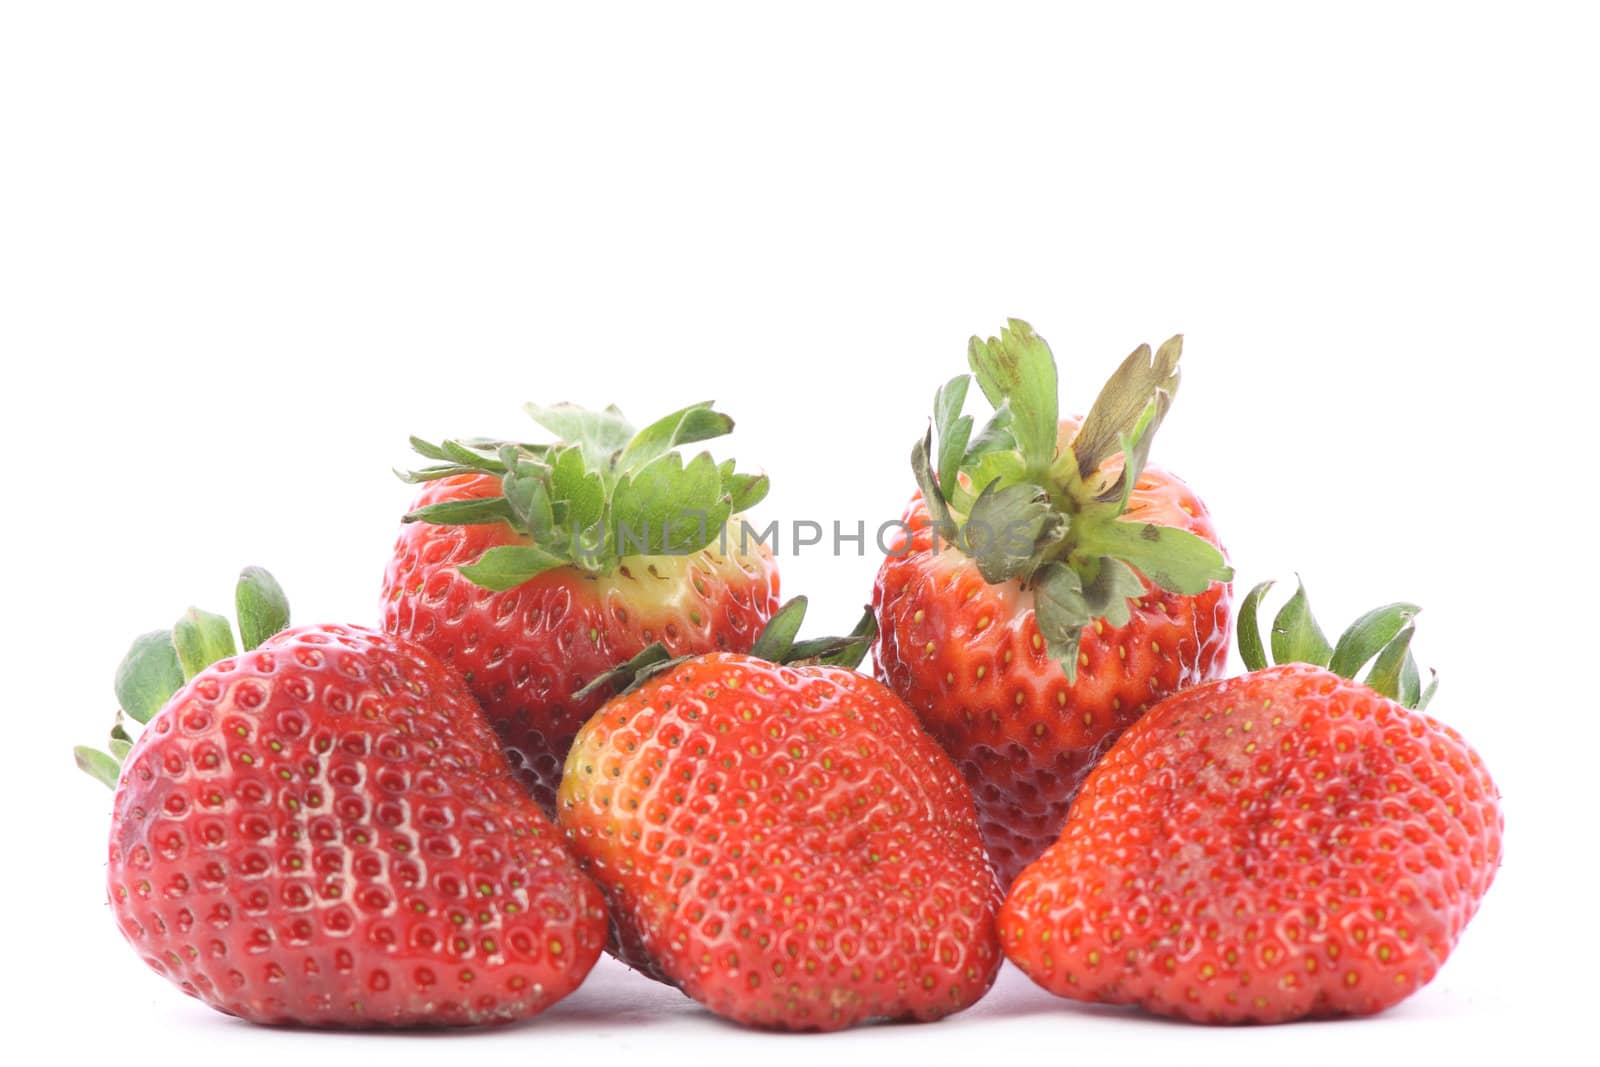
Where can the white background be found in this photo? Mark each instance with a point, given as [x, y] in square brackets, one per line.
[245, 251]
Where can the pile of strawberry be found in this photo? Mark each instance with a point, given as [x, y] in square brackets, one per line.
[585, 724]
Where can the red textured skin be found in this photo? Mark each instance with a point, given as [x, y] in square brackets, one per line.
[785, 844]
[969, 659]
[1288, 844]
[527, 650]
[324, 831]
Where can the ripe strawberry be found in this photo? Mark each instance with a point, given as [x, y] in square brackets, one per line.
[1284, 844]
[1057, 586]
[534, 568]
[784, 843]
[322, 830]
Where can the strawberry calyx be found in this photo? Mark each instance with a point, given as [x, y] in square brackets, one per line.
[601, 491]
[1381, 637]
[777, 641]
[776, 644]
[1049, 514]
[160, 662]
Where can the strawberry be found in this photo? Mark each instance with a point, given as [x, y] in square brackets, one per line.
[323, 830]
[1285, 844]
[534, 568]
[784, 842]
[1048, 584]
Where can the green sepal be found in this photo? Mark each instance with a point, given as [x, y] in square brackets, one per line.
[1427, 694]
[473, 511]
[744, 491]
[1249, 629]
[485, 447]
[776, 643]
[1016, 369]
[528, 499]
[1109, 591]
[105, 767]
[1368, 635]
[97, 765]
[847, 651]
[777, 637]
[1062, 611]
[430, 474]
[456, 457]
[1169, 556]
[952, 430]
[922, 470]
[1296, 637]
[427, 449]
[1123, 400]
[508, 566]
[1004, 529]
[518, 460]
[580, 491]
[470, 454]
[1387, 674]
[1064, 604]
[995, 437]
[1004, 468]
[201, 639]
[652, 659]
[1135, 447]
[148, 675]
[698, 422]
[669, 507]
[1410, 681]
[459, 455]
[600, 434]
[261, 606]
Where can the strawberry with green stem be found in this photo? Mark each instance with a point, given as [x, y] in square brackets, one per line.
[1050, 584]
[323, 830]
[1290, 843]
[534, 568]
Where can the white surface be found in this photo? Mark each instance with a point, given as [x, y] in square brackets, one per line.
[244, 255]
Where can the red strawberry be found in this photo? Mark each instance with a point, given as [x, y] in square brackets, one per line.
[1060, 586]
[323, 830]
[534, 568]
[1280, 845]
[784, 843]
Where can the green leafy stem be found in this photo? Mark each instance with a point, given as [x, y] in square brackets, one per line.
[1381, 637]
[602, 492]
[1050, 516]
[161, 661]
